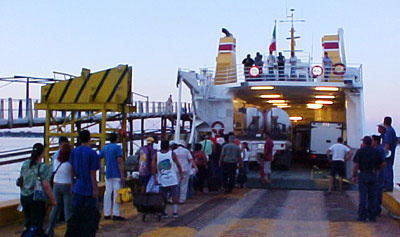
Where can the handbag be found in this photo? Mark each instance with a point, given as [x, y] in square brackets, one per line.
[38, 191]
[54, 174]
[124, 195]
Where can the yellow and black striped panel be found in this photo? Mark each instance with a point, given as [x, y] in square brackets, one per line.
[109, 86]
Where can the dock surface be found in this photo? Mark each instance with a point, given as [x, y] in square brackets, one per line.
[251, 212]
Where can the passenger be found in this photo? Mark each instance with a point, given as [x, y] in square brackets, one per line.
[146, 154]
[376, 143]
[169, 104]
[165, 174]
[112, 154]
[206, 144]
[368, 161]
[281, 66]
[216, 154]
[340, 155]
[389, 143]
[265, 174]
[230, 157]
[33, 171]
[85, 163]
[271, 61]
[293, 64]
[248, 62]
[201, 163]
[327, 63]
[259, 61]
[62, 187]
[62, 140]
[245, 157]
[186, 160]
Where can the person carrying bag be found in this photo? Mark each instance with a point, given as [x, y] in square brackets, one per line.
[35, 191]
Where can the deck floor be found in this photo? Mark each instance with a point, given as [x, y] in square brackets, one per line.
[251, 212]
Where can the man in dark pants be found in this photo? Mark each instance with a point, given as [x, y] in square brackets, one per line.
[369, 162]
[389, 143]
[230, 156]
[85, 162]
[376, 143]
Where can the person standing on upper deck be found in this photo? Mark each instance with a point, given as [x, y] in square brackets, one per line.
[271, 61]
[248, 62]
[368, 161]
[389, 143]
[293, 64]
[327, 63]
[340, 154]
[259, 62]
[281, 65]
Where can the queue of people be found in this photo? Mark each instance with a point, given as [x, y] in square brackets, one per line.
[373, 168]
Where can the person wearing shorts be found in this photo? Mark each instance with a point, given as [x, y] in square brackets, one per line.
[165, 167]
[340, 154]
[267, 159]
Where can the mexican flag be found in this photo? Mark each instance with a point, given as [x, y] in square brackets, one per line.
[272, 46]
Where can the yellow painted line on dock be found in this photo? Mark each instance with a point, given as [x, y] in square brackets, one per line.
[391, 202]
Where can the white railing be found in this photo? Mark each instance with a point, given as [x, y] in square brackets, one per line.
[300, 72]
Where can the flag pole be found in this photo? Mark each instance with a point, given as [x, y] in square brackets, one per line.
[276, 42]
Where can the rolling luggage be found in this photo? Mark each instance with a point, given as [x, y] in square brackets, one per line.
[150, 203]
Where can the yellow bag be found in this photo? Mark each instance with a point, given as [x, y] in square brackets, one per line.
[124, 195]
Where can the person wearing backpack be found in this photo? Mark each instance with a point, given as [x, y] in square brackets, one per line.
[62, 186]
[146, 154]
[35, 189]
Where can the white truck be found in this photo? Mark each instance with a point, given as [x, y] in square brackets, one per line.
[322, 136]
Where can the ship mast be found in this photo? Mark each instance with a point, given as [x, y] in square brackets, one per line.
[292, 37]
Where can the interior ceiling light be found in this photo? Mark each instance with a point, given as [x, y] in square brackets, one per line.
[324, 102]
[284, 104]
[314, 106]
[276, 101]
[324, 96]
[326, 88]
[270, 96]
[296, 118]
[258, 88]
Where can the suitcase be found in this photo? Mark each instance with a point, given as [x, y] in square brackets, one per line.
[213, 184]
[150, 203]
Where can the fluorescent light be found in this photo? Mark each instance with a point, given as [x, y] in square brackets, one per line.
[296, 118]
[326, 88]
[324, 102]
[284, 104]
[314, 106]
[270, 96]
[257, 88]
[324, 96]
[276, 101]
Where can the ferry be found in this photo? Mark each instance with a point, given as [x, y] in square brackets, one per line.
[303, 105]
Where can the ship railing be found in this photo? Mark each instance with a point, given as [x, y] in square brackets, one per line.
[23, 110]
[305, 72]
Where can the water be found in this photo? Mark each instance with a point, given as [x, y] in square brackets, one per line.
[10, 173]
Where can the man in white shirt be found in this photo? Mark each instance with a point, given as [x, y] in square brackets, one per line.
[185, 158]
[340, 154]
[271, 61]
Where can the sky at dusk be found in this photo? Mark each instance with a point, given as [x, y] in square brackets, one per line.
[158, 37]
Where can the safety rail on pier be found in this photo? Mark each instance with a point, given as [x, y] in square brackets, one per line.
[16, 113]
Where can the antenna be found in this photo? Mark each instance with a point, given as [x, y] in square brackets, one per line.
[292, 38]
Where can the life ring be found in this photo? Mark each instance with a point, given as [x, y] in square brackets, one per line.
[340, 73]
[254, 71]
[317, 71]
[217, 130]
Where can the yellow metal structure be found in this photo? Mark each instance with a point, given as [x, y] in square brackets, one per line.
[102, 96]
[333, 54]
